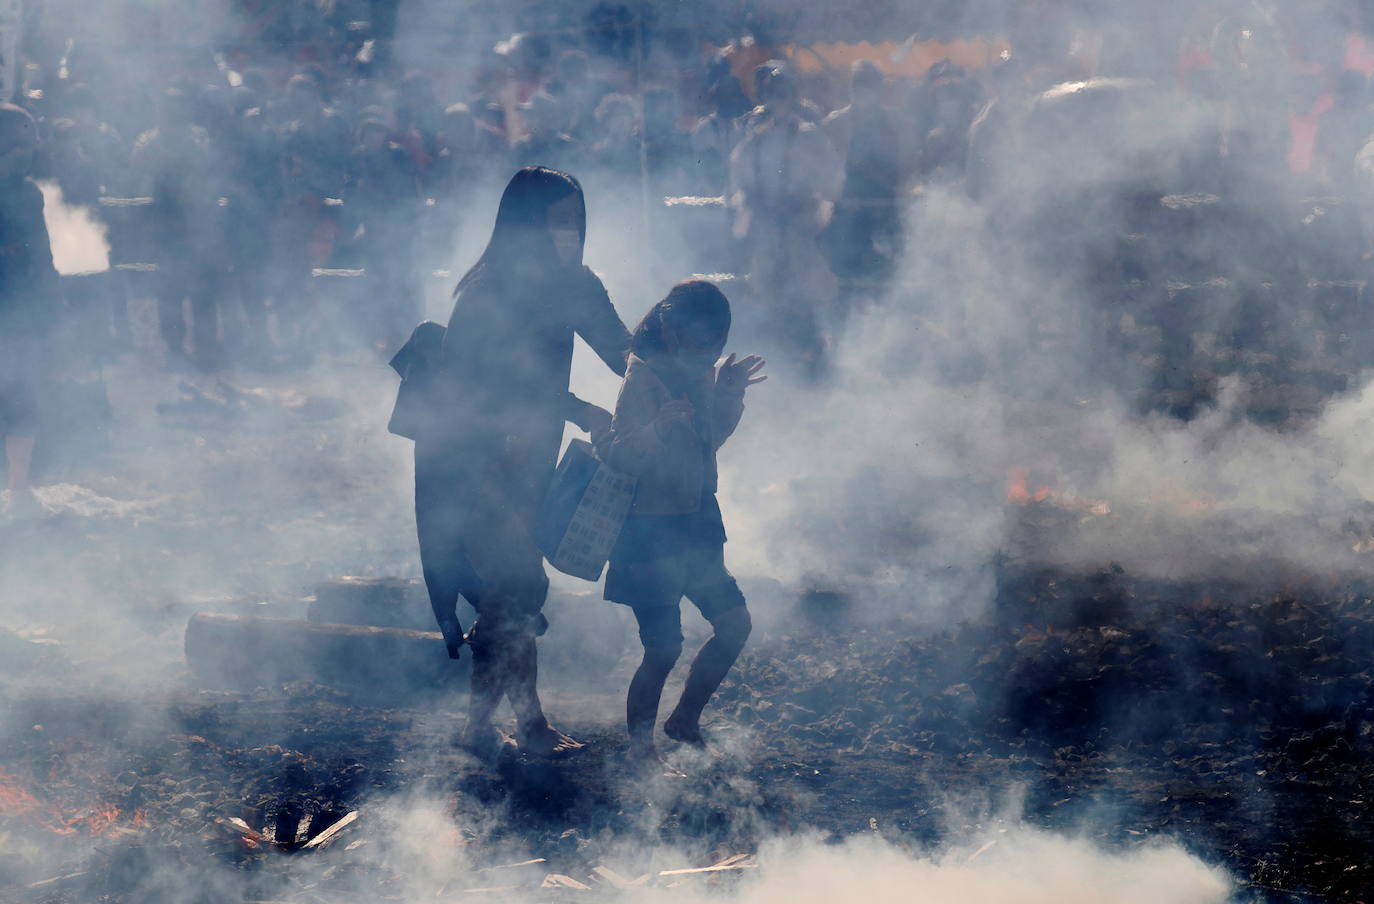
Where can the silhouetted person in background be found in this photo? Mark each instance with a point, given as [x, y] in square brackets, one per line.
[174, 163]
[483, 465]
[992, 134]
[864, 234]
[29, 306]
[785, 175]
[942, 109]
[666, 145]
[459, 156]
[715, 135]
[617, 149]
[418, 117]
[255, 189]
[577, 94]
[674, 412]
[464, 156]
[314, 142]
[544, 144]
[101, 151]
[383, 202]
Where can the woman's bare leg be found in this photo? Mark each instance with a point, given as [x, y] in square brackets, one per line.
[535, 734]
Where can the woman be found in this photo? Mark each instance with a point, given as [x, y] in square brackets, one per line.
[482, 466]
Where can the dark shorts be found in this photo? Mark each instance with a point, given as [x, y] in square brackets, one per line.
[654, 588]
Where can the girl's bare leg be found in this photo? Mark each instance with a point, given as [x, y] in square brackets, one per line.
[709, 669]
[646, 690]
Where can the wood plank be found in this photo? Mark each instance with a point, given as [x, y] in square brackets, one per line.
[616, 880]
[330, 833]
[735, 863]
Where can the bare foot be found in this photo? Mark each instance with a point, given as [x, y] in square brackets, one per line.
[547, 741]
[684, 732]
[645, 761]
[486, 742]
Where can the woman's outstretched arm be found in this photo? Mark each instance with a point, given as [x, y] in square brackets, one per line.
[600, 326]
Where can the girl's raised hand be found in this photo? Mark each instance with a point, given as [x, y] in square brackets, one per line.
[737, 376]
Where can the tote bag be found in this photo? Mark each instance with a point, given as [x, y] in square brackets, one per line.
[583, 513]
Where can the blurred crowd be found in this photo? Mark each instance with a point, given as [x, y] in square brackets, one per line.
[309, 164]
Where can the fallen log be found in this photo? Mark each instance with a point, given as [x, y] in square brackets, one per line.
[237, 651]
[384, 602]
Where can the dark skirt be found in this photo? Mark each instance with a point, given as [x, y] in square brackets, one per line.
[648, 537]
[659, 559]
[474, 523]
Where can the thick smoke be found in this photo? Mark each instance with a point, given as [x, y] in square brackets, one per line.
[994, 353]
[1008, 864]
[1018, 340]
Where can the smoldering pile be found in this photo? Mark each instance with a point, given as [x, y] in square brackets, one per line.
[1194, 709]
[1213, 710]
[201, 818]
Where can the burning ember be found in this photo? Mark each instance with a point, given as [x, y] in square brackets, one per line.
[1019, 493]
[17, 804]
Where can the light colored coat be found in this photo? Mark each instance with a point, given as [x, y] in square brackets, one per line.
[673, 469]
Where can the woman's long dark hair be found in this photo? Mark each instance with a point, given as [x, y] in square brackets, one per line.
[521, 233]
[695, 306]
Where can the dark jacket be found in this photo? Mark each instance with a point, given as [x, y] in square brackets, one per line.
[503, 384]
[677, 469]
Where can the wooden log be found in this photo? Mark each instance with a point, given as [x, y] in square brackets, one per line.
[384, 602]
[251, 651]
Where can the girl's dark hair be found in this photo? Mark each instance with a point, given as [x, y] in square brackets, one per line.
[694, 306]
[521, 233]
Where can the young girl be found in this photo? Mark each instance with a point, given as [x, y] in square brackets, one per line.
[675, 410]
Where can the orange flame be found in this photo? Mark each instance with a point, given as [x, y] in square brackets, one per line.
[1019, 493]
[97, 820]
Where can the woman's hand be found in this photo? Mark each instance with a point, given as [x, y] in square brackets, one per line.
[595, 421]
[453, 636]
[737, 376]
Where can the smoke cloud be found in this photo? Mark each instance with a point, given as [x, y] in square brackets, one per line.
[1012, 371]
